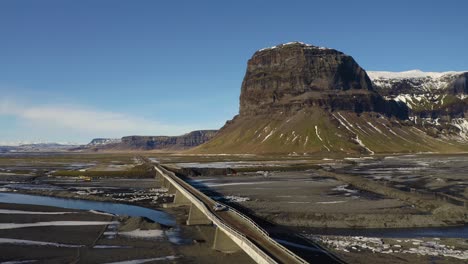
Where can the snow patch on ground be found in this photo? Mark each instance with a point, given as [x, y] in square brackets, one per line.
[433, 247]
[19, 262]
[231, 198]
[147, 234]
[35, 243]
[141, 261]
[331, 202]
[7, 211]
[109, 246]
[53, 223]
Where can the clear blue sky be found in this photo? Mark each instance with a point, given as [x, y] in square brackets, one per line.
[74, 70]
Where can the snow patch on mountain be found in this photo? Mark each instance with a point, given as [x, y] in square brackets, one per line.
[409, 74]
[104, 141]
[294, 43]
[420, 81]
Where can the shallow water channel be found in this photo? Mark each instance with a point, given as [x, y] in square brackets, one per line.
[108, 207]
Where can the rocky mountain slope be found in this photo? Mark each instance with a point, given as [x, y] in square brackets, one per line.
[437, 101]
[298, 98]
[182, 142]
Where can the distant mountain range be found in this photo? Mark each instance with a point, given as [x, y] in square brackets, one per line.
[38, 147]
[172, 143]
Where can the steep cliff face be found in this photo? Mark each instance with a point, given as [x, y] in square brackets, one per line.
[185, 141]
[292, 76]
[298, 99]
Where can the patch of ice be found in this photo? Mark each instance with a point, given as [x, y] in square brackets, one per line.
[100, 213]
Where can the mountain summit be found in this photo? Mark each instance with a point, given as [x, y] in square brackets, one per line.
[298, 98]
[289, 77]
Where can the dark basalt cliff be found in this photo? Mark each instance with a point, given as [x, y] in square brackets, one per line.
[185, 141]
[182, 142]
[290, 77]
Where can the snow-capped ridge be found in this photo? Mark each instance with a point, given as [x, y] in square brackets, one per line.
[409, 74]
[294, 43]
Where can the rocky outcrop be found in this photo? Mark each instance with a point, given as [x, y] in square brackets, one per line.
[185, 141]
[289, 77]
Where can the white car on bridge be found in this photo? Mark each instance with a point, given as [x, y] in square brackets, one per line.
[219, 207]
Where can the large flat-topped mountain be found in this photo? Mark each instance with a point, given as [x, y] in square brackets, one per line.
[298, 98]
[289, 77]
[171, 143]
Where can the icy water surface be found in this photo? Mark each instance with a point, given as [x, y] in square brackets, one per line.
[113, 208]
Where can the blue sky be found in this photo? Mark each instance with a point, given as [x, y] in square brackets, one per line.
[75, 70]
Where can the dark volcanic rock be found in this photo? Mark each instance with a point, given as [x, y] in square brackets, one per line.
[289, 77]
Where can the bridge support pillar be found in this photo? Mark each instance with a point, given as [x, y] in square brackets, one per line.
[180, 199]
[165, 183]
[158, 176]
[171, 188]
[224, 243]
[196, 217]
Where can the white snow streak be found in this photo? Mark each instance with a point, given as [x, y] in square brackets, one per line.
[141, 261]
[35, 243]
[317, 133]
[269, 135]
[54, 223]
[364, 146]
[7, 211]
[138, 233]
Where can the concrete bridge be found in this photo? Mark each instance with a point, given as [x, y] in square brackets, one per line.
[234, 231]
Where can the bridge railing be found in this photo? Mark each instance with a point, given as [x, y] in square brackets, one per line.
[263, 232]
[187, 189]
